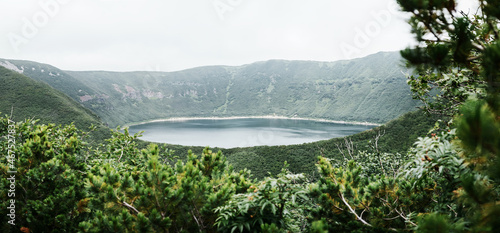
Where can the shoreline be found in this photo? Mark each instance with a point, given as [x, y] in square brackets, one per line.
[180, 119]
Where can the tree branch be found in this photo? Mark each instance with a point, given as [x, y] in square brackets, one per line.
[352, 210]
[341, 152]
[405, 218]
[130, 207]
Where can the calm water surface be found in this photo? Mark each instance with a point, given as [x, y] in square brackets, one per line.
[230, 133]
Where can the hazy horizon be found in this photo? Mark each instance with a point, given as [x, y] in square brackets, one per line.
[157, 35]
[7, 59]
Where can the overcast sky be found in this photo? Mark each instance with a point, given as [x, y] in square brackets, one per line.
[168, 35]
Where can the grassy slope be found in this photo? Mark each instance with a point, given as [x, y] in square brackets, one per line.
[400, 134]
[368, 89]
[282, 87]
[34, 99]
[53, 76]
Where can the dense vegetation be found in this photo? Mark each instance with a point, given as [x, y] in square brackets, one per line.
[128, 189]
[25, 98]
[40, 102]
[396, 137]
[371, 89]
[447, 182]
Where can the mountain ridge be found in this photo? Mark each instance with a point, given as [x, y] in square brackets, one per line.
[31, 99]
[369, 89]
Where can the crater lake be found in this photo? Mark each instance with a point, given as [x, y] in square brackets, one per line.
[244, 132]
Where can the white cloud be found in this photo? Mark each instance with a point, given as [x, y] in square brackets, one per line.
[177, 34]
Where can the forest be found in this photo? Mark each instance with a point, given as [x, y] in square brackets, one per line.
[63, 178]
[369, 89]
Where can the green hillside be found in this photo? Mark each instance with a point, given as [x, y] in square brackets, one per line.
[36, 99]
[30, 99]
[51, 75]
[398, 137]
[370, 89]
[416, 173]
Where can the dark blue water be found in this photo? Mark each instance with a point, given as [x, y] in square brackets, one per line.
[230, 133]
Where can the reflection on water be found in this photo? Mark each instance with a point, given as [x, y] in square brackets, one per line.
[229, 133]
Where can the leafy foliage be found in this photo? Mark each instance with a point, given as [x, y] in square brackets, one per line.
[131, 190]
[48, 188]
[155, 196]
[459, 55]
[127, 189]
[447, 182]
[456, 53]
[398, 136]
[374, 203]
[274, 204]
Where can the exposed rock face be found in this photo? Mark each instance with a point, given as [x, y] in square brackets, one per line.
[85, 98]
[11, 66]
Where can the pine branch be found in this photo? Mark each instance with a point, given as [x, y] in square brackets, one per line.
[405, 218]
[130, 207]
[352, 210]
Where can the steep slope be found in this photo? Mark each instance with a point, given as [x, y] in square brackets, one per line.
[398, 135]
[51, 75]
[28, 98]
[369, 89]
[36, 99]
